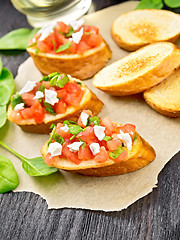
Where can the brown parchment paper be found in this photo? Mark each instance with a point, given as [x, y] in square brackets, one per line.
[108, 193]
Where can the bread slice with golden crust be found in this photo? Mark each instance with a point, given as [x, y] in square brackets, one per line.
[89, 101]
[138, 28]
[140, 155]
[165, 97]
[79, 66]
[139, 70]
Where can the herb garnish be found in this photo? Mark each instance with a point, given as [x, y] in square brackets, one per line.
[16, 99]
[63, 47]
[115, 154]
[107, 138]
[95, 120]
[49, 108]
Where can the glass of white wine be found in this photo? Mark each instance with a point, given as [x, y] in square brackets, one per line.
[43, 12]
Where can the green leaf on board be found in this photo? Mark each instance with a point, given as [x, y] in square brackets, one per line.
[172, 3]
[2, 115]
[8, 175]
[150, 4]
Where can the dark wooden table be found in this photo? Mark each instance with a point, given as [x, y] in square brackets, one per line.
[25, 215]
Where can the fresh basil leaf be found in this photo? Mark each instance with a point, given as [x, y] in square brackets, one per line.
[6, 86]
[79, 83]
[150, 4]
[63, 47]
[71, 138]
[107, 138]
[2, 115]
[61, 82]
[52, 126]
[8, 175]
[53, 80]
[67, 122]
[71, 31]
[49, 108]
[172, 3]
[16, 99]
[75, 129]
[95, 120]
[58, 138]
[52, 134]
[41, 88]
[17, 39]
[1, 66]
[115, 154]
[135, 136]
[37, 51]
[51, 75]
[88, 33]
[45, 78]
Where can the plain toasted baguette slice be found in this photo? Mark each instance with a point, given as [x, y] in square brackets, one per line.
[139, 70]
[140, 155]
[79, 66]
[89, 101]
[138, 28]
[165, 97]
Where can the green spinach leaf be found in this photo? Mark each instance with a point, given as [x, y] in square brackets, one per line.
[2, 115]
[8, 175]
[17, 39]
[6, 86]
[32, 166]
[172, 3]
[150, 4]
[1, 66]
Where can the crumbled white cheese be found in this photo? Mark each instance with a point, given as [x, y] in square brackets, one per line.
[95, 148]
[126, 139]
[74, 147]
[55, 149]
[99, 132]
[27, 87]
[76, 37]
[65, 128]
[38, 95]
[19, 106]
[76, 24]
[51, 96]
[84, 118]
[45, 31]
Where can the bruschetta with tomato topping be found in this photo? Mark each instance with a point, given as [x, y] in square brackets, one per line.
[53, 99]
[76, 49]
[96, 147]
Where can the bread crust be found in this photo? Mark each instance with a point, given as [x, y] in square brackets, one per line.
[89, 102]
[153, 30]
[144, 79]
[165, 97]
[79, 66]
[140, 155]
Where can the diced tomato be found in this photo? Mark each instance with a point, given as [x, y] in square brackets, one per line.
[38, 112]
[107, 123]
[128, 128]
[91, 29]
[73, 100]
[88, 135]
[60, 107]
[16, 116]
[113, 144]
[122, 156]
[38, 84]
[60, 38]
[28, 98]
[72, 156]
[49, 160]
[61, 132]
[93, 40]
[85, 153]
[61, 93]
[72, 49]
[82, 47]
[27, 113]
[43, 47]
[73, 87]
[102, 156]
[62, 27]
[46, 84]
[50, 41]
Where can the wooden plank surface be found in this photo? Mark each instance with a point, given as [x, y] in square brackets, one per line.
[25, 215]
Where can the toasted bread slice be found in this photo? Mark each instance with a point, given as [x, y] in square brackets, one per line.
[80, 66]
[89, 101]
[140, 155]
[165, 97]
[138, 28]
[139, 70]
